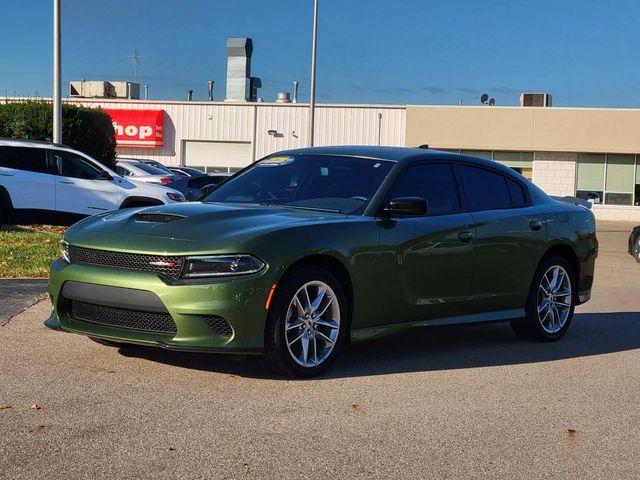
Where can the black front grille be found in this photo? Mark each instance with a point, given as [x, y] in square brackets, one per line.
[219, 325]
[161, 323]
[166, 265]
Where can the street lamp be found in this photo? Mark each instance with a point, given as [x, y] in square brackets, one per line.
[57, 103]
[312, 90]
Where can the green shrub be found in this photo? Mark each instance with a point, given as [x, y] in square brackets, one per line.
[86, 129]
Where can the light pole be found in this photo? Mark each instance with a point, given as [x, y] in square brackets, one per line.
[312, 90]
[57, 105]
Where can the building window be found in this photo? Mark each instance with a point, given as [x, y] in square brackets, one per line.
[637, 185]
[608, 179]
[521, 162]
[590, 184]
[619, 182]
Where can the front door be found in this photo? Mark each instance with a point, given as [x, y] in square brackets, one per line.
[79, 188]
[426, 261]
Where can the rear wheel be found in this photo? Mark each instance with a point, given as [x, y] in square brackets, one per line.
[551, 302]
[306, 324]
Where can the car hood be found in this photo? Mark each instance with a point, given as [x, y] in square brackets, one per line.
[188, 227]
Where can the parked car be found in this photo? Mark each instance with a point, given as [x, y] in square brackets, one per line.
[306, 250]
[143, 172]
[187, 171]
[42, 182]
[193, 187]
[153, 163]
[634, 243]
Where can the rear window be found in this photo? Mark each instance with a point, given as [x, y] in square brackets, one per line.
[24, 158]
[486, 190]
[150, 169]
[518, 196]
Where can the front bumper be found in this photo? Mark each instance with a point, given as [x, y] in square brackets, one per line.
[239, 301]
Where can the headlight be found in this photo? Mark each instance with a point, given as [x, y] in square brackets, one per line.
[222, 265]
[64, 251]
[176, 197]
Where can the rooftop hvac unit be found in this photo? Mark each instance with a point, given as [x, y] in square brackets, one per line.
[535, 100]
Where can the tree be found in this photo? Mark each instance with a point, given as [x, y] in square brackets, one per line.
[88, 130]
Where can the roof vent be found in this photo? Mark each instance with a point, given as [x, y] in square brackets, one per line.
[535, 100]
[157, 217]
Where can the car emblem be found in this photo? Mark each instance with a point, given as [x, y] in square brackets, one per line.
[161, 263]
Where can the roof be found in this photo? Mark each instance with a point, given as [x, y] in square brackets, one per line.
[394, 154]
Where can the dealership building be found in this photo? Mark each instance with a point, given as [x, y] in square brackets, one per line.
[593, 153]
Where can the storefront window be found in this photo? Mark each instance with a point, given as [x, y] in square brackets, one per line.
[637, 186]
[478, 153]
[590, 185]
[619, 185]
[521, 162]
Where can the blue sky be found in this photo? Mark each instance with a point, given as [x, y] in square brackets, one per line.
[369, 51]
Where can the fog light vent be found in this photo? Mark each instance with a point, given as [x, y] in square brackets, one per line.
[219, 325]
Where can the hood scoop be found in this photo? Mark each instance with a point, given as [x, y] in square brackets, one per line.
[157, 217]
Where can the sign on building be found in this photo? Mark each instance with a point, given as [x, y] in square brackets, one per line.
[137, 128]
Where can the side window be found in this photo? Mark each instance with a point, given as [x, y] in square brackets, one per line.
[24, 158]
[123, 172]
[516, 190]
[70, 165]
[435, 182]
[486, 190]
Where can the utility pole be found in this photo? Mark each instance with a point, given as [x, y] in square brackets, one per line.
[312, 90]
[57, 100]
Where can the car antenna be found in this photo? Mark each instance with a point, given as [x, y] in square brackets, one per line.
[424, 147]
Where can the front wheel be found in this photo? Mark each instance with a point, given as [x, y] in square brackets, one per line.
[306, 323]
[636, 250]
[551, 302]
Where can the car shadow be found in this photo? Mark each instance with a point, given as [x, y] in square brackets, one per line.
[436, 348]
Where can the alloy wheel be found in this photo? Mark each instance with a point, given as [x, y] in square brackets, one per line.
[554, 299]
[312, 324]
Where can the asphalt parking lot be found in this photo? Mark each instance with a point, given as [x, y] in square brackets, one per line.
[455, 402]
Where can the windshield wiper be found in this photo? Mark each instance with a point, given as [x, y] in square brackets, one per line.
[300, 207]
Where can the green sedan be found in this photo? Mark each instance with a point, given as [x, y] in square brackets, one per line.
[307, 250]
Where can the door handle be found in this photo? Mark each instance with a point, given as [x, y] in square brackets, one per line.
[465, 237]
[535, 225]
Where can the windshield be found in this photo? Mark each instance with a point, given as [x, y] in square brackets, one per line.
[324, 182]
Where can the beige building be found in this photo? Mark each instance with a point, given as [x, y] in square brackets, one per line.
[586, 152]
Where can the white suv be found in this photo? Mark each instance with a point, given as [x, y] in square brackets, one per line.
[45, 183]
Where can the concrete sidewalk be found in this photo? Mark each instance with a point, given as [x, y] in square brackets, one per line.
[16, 295]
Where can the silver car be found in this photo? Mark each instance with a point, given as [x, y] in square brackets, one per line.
[143, 172]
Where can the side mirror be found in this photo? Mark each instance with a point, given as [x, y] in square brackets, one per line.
[104, 175]
[406, 207]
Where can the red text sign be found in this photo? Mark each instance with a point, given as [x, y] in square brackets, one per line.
[138, 128]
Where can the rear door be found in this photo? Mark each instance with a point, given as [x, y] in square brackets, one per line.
[24, 174]
[79, 188]
[510, 238]
[426, 261]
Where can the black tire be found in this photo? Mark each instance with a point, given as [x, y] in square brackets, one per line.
[530, 327]
[108, 343]
[636, 249]
[277, 352]
[4, 215]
